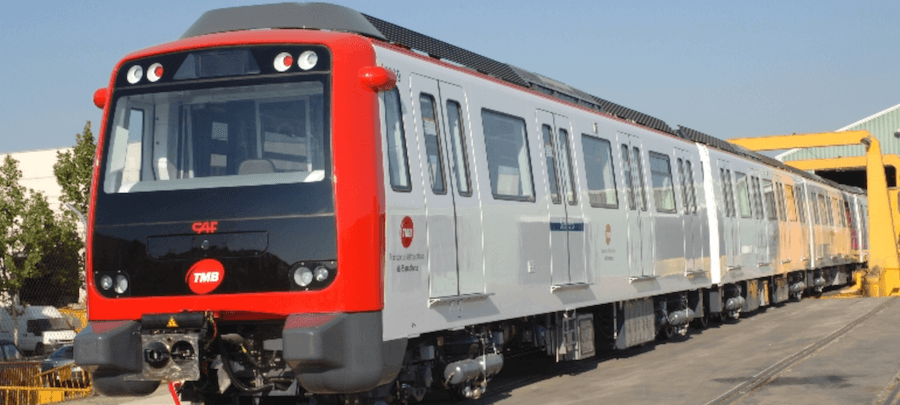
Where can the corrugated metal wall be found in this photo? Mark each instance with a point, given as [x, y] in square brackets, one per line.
[882, 125]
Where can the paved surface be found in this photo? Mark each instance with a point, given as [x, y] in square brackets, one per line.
[856, 368]
[860, 366]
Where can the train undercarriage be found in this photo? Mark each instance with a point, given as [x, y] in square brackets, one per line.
[246, 362]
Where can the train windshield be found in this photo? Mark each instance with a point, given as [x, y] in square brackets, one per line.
[221, 137]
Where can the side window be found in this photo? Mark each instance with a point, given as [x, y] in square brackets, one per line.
[598, 166]
[790, 202]
[816, 209]
[690, 180]
[824, 212]
[509, 163]
[626, 169]
[432, 144]
[864, 224]
[459, 162]
[661, 176]
[801, 205]
[684, 190]
[639, 172]
[839, 212]
[779, 199]
[847, 215]
[567, 166]
[769, 193]
[730, 189]
[726, 201]
[398, 165]
[757, 198]
[743, 194]
[550, 152]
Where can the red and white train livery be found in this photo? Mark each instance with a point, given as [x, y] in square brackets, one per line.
[299, 200]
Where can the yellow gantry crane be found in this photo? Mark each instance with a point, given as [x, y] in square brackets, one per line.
[859, 162]
[884, 264]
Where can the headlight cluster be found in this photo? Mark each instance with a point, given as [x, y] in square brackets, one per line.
[113, 283]
[312, 275]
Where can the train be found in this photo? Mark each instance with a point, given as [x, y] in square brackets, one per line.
[304, 203]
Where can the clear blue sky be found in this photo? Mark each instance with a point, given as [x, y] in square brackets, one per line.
[723, 67]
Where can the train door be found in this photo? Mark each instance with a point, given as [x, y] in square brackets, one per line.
[784, 222]
[640, 227]
[804, 214]
[731, 224]
[772, 220]
[452, 217]
[566, 218]
[690, 220]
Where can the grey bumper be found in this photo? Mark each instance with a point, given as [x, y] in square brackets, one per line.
[113, 351]
[341, 353]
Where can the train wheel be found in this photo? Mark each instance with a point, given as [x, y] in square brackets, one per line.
[666, 333]
[701, 322]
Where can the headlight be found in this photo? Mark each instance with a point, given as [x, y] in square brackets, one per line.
[121, 284]
[106, 282]
[321, 274]
[303, 276]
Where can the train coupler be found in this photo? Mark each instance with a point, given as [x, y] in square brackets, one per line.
[171, 346]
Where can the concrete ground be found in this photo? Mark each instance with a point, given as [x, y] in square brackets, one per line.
[856, 368]
[859, 367]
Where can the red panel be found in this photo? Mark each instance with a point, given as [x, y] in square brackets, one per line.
[358, 189]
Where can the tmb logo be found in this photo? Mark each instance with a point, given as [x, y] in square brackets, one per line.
[205, 276]
[406, 232]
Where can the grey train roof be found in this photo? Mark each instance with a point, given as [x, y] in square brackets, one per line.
[325, 16]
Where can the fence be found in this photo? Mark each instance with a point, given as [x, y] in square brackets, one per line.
[23, 383]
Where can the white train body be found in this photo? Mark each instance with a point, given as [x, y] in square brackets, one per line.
[489, 253]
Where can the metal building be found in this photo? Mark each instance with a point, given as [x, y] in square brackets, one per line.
[884, 125]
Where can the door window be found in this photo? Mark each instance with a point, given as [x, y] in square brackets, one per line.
[459, 162]
[430, 128]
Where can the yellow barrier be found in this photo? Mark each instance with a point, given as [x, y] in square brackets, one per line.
[23, 383]
[74, 313]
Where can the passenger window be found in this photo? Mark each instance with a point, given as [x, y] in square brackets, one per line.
[626, 169]
[459, 162]
[801, 205]
[769, 194]
[779, 201]
[598, 165]
[550, 152]
[725, 201]
[567, 167]
[509, 163]
[790, 202]
[639, 172]
[690, 180]
[432, 144]
[849, 218]
[743, 194]
[661, 176]
[730, 189]
[817, 208]
[398, 165]
[684, 189]
[757, 197]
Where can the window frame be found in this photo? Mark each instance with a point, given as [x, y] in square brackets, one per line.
[462, 145]
[585, 138]
[405, 152]
[668, 174]
[494, 194]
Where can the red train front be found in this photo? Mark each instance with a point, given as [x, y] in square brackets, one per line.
[236, 227]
